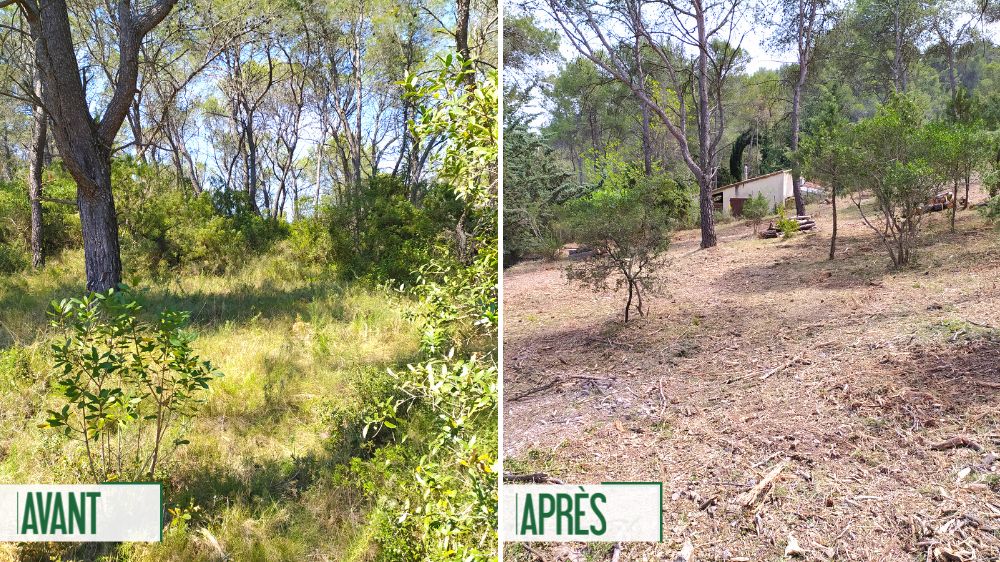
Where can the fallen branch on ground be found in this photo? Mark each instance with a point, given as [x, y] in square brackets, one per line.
[752, 496]
[782, 367]
[537, 389]
[956, 442]
[532, 478]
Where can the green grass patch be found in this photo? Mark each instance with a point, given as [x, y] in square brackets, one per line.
[266, 474]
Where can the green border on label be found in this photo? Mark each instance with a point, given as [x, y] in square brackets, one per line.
[159, 486]
[658, 484]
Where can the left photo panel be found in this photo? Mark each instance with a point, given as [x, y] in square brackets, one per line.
[249, 280]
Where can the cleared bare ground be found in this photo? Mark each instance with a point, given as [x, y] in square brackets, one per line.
[874, 368]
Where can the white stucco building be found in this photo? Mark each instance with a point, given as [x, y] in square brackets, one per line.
[776, 187]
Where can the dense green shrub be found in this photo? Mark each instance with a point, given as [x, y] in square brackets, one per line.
[13, 228]
[167, 227]
[60, 221]
[991, 209]
[377, 232]
[534, 183]
[12, 259]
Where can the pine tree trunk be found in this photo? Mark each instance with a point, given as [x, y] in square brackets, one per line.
[800, 206]
[35, 165]
[99, 223]
[708, 238]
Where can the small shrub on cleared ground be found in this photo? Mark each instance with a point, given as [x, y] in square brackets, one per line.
[755, 209]
[628, 227]
[787, 226]
[894, 164]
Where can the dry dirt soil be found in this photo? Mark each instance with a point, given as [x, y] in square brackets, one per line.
[760, 352]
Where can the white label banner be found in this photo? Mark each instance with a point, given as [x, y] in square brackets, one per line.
[123, 512]
[609, 512]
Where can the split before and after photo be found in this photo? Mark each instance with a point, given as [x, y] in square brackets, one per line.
[530, 280]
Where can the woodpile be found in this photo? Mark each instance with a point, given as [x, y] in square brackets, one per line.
[938, 203]
[805, 223]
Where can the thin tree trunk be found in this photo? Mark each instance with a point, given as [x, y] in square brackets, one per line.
[954, 203]
[800, 206]
[647, 149]
[252, 168]
[319, 171]
[628, 303]
[708, 239]
[833, 238]
[707, 213]
[35, 165]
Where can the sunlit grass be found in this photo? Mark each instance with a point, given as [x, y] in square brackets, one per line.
[297, 351]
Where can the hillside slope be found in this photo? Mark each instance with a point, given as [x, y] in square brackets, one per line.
[762, 351]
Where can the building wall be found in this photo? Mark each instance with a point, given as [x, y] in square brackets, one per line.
[776, 188]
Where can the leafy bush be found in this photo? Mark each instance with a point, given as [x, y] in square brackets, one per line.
[12, 259]
[787, 226]
[457, 510]
[991, 181]
[755, 209]
[167, 227]
[310, 241]
[60, 222]
[991, 209]
[15, 367]
[894, 163]
[443, 488]
[13, 227]
[628, 227]
[534, 183]
[126, 383]
[377, 232]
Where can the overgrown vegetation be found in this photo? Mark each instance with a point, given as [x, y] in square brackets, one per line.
[445, 492]
[303, 198]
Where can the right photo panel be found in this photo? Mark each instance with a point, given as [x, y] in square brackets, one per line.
[750, 264]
